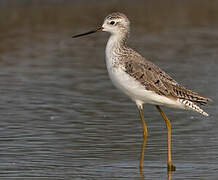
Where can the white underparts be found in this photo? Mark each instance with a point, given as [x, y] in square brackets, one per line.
[133, 88]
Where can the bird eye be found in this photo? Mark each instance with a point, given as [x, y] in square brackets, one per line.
[112, 22]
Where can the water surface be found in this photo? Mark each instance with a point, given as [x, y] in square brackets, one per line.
[61, 118]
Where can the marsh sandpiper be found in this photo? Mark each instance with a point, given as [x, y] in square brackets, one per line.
[141, 80]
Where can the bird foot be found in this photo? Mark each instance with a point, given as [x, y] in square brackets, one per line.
[171, 167]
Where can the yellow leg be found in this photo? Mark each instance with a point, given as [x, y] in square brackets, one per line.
[170, 166]
[145, 133]
[169, 174]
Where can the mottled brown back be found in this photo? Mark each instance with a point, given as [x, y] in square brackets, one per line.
[155, 79]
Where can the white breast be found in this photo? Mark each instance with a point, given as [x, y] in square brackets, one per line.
[127, 84]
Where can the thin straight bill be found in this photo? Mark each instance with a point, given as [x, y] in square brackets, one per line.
[89, 32]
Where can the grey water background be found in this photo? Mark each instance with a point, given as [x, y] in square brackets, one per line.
[60, 116]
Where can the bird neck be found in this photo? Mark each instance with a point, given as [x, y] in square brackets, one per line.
[116, 44]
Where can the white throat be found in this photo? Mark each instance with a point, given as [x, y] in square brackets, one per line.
[114, 44]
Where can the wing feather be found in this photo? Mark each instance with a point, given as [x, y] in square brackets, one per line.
[155, 79]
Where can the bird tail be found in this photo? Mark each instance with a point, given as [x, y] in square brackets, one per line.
[192, 106]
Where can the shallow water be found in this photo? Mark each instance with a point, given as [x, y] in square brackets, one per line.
[61, 118]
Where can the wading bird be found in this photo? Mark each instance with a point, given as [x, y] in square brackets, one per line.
[141, 80]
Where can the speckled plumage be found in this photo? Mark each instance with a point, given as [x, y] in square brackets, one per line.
[150, 76]
[143, 81]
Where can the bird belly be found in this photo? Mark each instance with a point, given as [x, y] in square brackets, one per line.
[136, 91]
